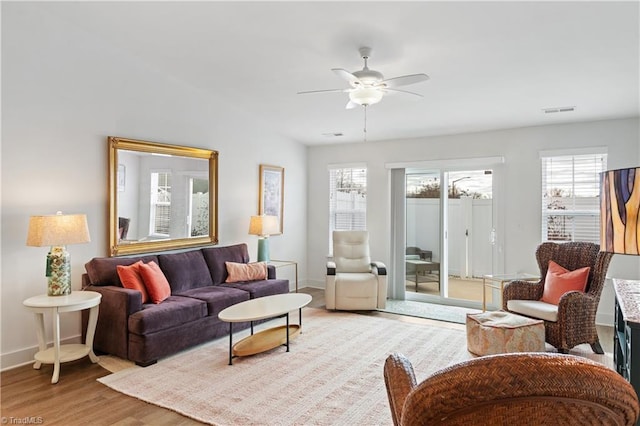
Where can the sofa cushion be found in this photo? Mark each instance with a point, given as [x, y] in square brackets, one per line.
[155, 282]
[130, 278]
[217, 256]
[102, 270]
[238, 272]
[262, 288]
[185, 270]
[173, 311]
[217, 297]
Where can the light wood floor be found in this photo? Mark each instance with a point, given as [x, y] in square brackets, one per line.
[78, 399]
[464, 289]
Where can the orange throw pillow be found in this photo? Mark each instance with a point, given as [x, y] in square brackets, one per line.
[131, 279]
[246, 271]
[155, 282]
[560, 280]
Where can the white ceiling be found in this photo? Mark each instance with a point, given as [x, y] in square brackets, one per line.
[492, 65]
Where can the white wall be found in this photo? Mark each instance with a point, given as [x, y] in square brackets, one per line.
[63, 93]
[519, 209]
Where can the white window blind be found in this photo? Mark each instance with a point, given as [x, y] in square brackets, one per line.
[160, 203]
[570, 197]
[347, 200]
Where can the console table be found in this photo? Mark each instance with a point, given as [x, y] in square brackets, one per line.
[626, 336]
[76, 301]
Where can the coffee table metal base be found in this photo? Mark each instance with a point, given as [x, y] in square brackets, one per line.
[264, 340]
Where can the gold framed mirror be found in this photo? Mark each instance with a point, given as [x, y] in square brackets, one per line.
[161, 197]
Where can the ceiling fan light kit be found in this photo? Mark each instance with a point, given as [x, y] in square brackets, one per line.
[366, 96]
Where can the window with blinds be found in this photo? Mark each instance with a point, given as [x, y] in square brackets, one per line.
[160, 203]
[347, 200]
[571, 197]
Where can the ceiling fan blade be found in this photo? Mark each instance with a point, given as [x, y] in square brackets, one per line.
[404, 80]
[346, 75]
[403, 91]
[352, 105]
[323, 91]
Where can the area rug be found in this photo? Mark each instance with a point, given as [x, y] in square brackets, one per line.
[331, 376]
[428, 310]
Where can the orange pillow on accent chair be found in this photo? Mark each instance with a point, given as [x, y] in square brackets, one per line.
[560, 280]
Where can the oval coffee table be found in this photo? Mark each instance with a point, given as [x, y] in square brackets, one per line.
[263, 308]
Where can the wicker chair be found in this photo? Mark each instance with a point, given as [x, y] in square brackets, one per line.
[511, 389]
[576, 312]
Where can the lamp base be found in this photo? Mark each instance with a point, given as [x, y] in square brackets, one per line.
[59, 272]
[263, 249]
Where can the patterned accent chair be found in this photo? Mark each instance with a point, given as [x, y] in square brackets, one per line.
[353, 281]
[573, 321]
[511, 389]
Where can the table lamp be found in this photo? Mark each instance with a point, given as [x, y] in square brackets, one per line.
[57, 231]
[619, 211]
[263, 226]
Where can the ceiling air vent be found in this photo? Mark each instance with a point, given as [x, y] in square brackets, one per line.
[558, 109]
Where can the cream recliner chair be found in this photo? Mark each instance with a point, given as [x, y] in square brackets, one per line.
[353, 281]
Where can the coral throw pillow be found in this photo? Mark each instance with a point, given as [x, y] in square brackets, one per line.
[560, 280]
[239, 272]
[131, 279]
[155, 282]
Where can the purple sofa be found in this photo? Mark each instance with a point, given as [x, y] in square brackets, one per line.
[143, 333]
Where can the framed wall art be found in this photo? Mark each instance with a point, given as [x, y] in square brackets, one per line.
[271, 198]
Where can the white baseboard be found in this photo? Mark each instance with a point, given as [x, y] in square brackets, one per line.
[604, 319]
[314, 284]
[22, 357]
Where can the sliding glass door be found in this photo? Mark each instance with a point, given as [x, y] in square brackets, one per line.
[423, 251]
[449, 235]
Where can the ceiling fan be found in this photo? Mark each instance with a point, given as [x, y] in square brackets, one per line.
[369, 86]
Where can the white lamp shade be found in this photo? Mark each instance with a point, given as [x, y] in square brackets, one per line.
[264, 225]
[58, 230]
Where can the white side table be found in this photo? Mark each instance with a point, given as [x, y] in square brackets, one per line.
[281, 263]
[490, 280]
[76, 301]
